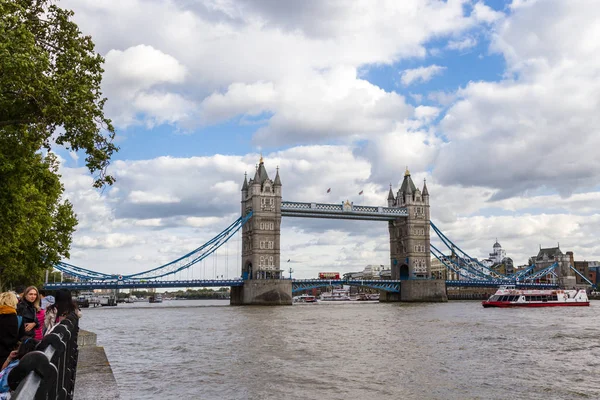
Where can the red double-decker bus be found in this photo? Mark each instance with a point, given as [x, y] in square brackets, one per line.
[329, 275]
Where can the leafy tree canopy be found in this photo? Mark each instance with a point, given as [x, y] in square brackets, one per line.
[50, 80]
[36, 224]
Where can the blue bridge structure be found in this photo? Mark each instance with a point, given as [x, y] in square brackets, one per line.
[261, 277]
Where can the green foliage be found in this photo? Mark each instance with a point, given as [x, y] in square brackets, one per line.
[37, 225]
[50, 80]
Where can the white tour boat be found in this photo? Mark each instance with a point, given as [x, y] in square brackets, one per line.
[509, 296]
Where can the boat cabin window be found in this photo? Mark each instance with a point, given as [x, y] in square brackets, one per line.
[504, 298]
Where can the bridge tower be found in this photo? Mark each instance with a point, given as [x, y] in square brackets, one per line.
[410, 245]
[261, 266]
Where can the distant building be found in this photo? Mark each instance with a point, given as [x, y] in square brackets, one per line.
[498, 261]
[548, 256]
[440, 271]
[589, 269]
[498, 254]
[371, 271]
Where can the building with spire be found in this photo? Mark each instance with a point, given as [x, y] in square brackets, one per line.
[497, 254]
[409, 237]
[261, 234]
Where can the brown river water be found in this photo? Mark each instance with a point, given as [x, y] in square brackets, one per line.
[457, 350]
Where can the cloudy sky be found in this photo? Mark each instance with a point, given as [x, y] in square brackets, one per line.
[494, 102]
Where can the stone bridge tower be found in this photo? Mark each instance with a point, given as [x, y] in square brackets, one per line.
[261, 234]
[261, 264]
[410, 254]
[409, 236]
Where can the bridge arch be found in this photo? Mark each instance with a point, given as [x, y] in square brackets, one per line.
[247, 271]
[404, 272]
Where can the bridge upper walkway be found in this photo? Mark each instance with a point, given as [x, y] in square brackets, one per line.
[341, 211]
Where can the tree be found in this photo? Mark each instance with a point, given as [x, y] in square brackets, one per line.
[50, 79]
[37, 224]
[50, 83]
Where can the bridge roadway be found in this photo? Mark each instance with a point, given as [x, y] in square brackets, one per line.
[297, 284]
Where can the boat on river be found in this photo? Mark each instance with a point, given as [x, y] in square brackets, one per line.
[336, 295]
[509, 296]
[305, 298]
[155, 299]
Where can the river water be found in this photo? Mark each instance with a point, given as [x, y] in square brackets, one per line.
[457, 350]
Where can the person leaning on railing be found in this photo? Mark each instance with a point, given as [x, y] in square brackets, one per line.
[63, 306]
[10, 329]
[27, 345]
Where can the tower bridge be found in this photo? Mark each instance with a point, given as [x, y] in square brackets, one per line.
[407, 215]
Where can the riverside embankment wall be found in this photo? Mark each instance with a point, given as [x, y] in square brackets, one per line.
[95, 379]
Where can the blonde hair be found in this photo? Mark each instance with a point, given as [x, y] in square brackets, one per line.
[8, 299]
[36, 303]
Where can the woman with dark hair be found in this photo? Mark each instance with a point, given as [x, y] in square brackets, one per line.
[27, 308]
[63, 306]
[27, 345]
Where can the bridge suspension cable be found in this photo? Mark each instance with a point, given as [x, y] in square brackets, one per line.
[466, 263]
[171, 268]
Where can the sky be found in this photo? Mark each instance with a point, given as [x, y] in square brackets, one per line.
[495, 103]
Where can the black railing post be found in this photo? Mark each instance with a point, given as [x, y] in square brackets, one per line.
[48, 373]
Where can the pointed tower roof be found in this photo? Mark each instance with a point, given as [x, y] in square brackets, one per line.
[390, 194]
[407, 184]
[277, 178]
[256, 178]
[262, 171]
[245, 185]
[425, 191]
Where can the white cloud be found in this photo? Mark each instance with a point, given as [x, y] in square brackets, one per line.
[538, 128]
[463, 44]
[141, 197]
[108, 241]
[272, 58]
[426, 113]
[483, 13]
[239, 99]
[137, 80]
[421, 74]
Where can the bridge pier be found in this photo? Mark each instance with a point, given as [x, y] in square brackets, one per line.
[263, 292]
[426, 291]
[417, 291]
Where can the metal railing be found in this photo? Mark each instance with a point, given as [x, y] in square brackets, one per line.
[48, 373]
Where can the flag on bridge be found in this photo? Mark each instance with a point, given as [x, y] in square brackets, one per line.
[328, 190]
[361, 192]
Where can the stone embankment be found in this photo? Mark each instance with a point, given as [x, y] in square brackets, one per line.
[95, 379]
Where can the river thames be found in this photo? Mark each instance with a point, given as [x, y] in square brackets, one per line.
[457, 350]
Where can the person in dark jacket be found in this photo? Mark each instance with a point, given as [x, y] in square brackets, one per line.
[27, 308]
[9, 324]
